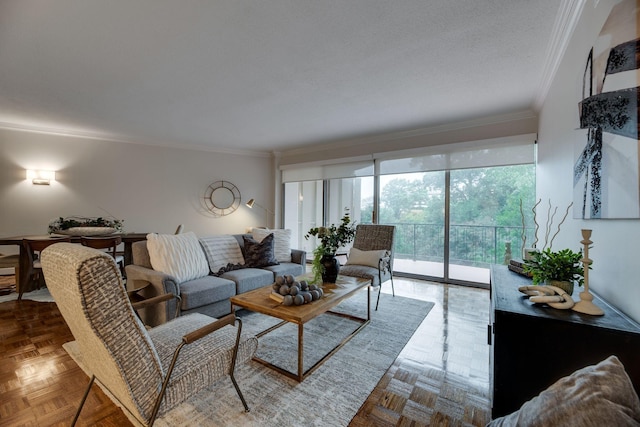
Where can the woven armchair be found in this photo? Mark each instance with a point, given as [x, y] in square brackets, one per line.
[374, 237]
[139, 367]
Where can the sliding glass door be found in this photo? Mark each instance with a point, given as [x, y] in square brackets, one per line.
[485, 217]
[315, 203]
[456, 207]
[414, 203]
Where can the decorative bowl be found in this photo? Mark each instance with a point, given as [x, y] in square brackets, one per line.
[87, 231]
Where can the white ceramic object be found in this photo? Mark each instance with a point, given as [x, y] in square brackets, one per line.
[87, 231]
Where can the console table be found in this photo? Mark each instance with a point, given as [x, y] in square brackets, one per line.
[534, 345]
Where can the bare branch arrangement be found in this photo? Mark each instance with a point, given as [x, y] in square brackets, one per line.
[551, 213]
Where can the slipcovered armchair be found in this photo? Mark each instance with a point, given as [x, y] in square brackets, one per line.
[148, 372]
[371, 256]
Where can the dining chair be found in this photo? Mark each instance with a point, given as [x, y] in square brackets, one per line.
[32, 267]
[12, 261]
[147, 372]
[109, 243]
[373, 255]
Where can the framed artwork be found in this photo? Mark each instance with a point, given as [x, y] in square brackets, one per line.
[606, 175]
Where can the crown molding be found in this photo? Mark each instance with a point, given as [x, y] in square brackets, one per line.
[124, 140]
[394, 136]
[563, 28]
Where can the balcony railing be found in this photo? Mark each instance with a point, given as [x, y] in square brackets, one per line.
[471, 245]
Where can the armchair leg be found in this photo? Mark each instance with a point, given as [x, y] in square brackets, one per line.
[393, 291]
[379, 292]
[235, 384]
[233, 366]
[84, 399]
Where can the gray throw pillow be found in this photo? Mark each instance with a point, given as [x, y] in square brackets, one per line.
[598, 395]
[259, 254]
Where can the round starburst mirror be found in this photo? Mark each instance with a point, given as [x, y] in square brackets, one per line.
[222, 198]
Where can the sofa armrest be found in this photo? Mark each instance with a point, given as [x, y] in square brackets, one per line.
[298, 256]
[152, 283]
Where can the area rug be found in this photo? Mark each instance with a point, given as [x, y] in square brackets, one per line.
[40, 295]
[332, 394]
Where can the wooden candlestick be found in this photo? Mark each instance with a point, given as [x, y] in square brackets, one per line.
[586, 305]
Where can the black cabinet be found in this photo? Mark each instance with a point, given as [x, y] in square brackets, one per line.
[534, 345]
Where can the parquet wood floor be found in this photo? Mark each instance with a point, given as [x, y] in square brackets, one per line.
[441, 377]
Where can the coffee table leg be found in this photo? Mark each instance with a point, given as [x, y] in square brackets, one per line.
[300, 352]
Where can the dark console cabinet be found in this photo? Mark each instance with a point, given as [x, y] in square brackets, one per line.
[534, 345]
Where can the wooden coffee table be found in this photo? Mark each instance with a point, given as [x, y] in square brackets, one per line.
[259, 301]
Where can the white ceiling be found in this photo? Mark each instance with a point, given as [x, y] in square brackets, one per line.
[262, 75]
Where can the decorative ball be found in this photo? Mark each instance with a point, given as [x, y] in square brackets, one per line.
[288, 300]
[307, 296]
[293, 290]
[315, 295]
[313, 287]
[304, 285]
[275, 287]
[321, 292]
[284, 290]
[289, 278]
[280, 280]
[298, 299]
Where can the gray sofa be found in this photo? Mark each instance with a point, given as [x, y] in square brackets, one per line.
[208, 294]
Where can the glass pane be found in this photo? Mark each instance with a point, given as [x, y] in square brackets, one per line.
[414, 203]
[354, 195]
[303, 211]
[304, 206]
[485, 215]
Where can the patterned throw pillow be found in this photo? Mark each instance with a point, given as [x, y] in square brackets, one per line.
[177, 255]
[221, 250]
[259, 254]
[281, 243]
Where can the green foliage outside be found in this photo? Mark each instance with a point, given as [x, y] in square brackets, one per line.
[484, 212]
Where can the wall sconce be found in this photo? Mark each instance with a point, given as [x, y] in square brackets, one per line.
[251, 203]
[41, 177]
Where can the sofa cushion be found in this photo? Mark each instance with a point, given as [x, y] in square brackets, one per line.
[370, 258]
[259, 254]
[285, 268]
[598, 395]
[221, 251]
[281, 242]
[178, 255]
[205, 290]
[249, 279]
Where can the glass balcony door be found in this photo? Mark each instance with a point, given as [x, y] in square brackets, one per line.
[415, 204]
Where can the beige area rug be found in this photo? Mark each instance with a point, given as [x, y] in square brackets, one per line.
[40, 295]
[332, 394]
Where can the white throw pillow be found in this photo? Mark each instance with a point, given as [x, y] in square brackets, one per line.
[369, 258]
[281, 241]
[179, 255]
[221, 250]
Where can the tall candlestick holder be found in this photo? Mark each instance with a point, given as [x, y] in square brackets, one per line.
[586, 305]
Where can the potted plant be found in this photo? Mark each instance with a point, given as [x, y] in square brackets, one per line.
[325, 264]
[561, 269]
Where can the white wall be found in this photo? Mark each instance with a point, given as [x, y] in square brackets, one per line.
[615, 242]
[153, 189]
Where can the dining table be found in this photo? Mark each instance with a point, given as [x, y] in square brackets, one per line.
[127, 239]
